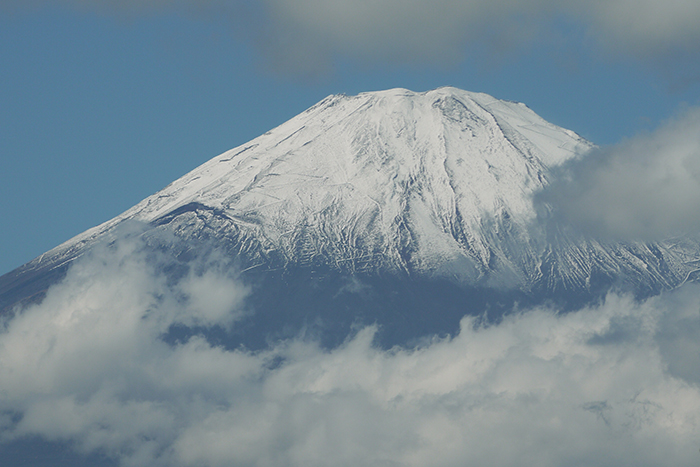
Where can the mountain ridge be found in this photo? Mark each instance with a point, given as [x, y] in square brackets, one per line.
[439, 183]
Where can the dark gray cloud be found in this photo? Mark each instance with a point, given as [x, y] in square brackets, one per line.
[646, 188]
[89, 365]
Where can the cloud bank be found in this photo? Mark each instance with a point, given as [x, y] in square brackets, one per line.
[615, 385]
[441, 31]
[307, 35]
[646, 188]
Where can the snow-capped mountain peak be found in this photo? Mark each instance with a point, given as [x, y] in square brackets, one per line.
[438, 183]
[375, 144]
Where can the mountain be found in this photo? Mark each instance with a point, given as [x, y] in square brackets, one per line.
[382, 205]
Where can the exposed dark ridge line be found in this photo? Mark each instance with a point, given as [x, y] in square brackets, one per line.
[189, 207]
[252, 146]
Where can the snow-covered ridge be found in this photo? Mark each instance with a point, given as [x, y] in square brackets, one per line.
[439, 182]
[364, 141]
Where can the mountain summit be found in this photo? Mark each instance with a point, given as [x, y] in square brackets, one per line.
[434, 182]
[435, 186]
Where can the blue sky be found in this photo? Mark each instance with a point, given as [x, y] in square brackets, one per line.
[103, 103]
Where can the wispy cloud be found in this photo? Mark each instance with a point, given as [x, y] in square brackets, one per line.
[645, 188]
[613, 385]
[441, 31]
[307, 35]
[646, 27]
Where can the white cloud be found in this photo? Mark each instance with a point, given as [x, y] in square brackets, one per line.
[212, 298]
[613, 385]
[645, 188]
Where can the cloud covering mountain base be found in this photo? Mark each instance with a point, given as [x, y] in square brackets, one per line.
[92, 365]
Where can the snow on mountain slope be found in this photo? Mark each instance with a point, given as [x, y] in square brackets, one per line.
[435, 183]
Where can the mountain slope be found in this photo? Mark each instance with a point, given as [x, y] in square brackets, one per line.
[434, 185]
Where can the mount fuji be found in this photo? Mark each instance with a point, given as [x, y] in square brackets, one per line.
[378, 281]
[365, 205]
